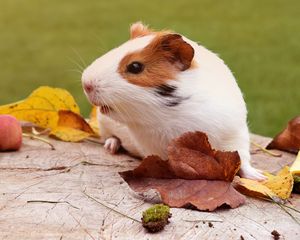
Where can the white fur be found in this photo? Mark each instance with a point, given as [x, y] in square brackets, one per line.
[214, 105]
[112, 144]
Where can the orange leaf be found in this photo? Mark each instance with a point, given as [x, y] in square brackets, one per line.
[70, 119]
[71, 127]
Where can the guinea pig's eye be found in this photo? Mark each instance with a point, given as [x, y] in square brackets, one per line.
[135, 67]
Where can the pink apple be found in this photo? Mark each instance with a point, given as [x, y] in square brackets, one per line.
[10, 133]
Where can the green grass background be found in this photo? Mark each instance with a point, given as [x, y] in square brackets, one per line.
[258, 39]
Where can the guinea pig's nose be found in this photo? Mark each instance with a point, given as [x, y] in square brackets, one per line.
[88, 87]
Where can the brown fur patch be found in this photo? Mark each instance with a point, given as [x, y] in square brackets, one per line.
[166, 55]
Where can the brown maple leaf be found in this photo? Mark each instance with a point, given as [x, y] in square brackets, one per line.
[195, 174]
[289, 139]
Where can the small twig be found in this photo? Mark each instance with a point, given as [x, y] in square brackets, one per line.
[201, 220]
[39, 138]
[90, 163]
[86, 231]
[45, 201]
[35, 132]
[272, 199]
[291, 215]
[280, 202]
[266, 150]
[292, 208]
[282, 205]
[112, 209]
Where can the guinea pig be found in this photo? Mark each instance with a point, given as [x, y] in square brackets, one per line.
[159, 85]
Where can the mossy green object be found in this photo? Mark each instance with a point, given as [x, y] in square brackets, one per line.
[156, 217]
[155, 213]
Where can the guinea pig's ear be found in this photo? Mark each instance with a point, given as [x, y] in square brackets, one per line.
[138, 29]
[177, 50]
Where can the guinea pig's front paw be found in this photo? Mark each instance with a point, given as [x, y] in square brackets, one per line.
[252, 173]
[112, 145]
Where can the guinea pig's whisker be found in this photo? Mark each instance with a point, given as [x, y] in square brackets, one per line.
[120, 110]
[74, 70]
[123, 113]
[80, 57]
[78, 65]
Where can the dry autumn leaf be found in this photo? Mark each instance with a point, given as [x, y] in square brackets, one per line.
[73, 120]
[42, 106]
[68, 134]
[202, 194]
[191, 157]
[71, 127]
[279, 185]
[289, 139]
[182, 182]
[52, 108]
[253, 188]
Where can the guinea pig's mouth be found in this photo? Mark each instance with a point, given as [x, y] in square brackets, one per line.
[105, 109]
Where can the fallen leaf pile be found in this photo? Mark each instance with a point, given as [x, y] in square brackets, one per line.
[289, 139]
[194, 176]
[275, 187]
[52, 108]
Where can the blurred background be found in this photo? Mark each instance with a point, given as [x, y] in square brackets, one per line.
[47, 42]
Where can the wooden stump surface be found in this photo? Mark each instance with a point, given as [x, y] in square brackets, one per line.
[41, 197]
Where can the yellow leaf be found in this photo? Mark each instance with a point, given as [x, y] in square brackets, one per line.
[69, 134]
[42, 106]
[254, 188]
[93, 121]
[295, 168]
[279, 185]
[71, 127]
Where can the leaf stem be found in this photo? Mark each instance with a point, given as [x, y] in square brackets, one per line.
[39, 138]
[265, 150]
[45, 201]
